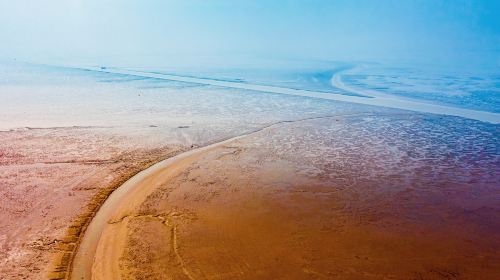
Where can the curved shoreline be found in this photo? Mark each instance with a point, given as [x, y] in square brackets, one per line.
[66, 247]
[136, 189]
[336, 81]
[424, 106]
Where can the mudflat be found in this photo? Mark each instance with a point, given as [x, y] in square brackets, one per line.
[313, 188]
[48, 177]
[66, 143]
[302, 200]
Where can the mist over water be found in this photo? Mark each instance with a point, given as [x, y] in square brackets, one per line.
[444, 52]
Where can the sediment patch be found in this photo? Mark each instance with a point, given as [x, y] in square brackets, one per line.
[66, 247]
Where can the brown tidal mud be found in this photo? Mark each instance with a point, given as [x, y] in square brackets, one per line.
[369, 193]
[305, 200]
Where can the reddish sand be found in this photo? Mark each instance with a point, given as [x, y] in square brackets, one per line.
[290, 202]
[47, 178]
[367, 193]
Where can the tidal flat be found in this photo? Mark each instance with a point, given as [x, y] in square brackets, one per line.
[309, 188]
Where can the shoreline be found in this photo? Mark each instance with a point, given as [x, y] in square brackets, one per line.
[64, 265]
[66, 248]
[110, 226]
[379, 100]
[117, 206]
[225, 210]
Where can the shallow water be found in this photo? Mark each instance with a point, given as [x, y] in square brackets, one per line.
[38, 96]
[463, 88]
[386, 153]
[460, 86]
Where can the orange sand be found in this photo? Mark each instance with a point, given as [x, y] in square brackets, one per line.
[245, 210]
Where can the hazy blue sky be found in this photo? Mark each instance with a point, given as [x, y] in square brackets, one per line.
[434, 30]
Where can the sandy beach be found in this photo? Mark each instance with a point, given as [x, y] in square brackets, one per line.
[266, 206]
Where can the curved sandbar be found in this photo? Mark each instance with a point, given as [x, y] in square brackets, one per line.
[100, 244]
[251, 226]
[103, 238]
[100, 248]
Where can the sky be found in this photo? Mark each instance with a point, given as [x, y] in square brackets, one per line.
[447, 31]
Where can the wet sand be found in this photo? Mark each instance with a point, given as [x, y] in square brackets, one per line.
[366, 192]
[101, 243]
[293, 201]
[69, 137]
[48, 177]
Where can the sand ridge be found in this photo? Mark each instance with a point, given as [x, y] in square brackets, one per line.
[266, 206]
[99, 250]
[69, 244]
